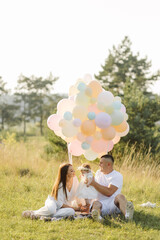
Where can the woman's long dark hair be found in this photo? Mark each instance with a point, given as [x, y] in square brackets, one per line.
[61, 178]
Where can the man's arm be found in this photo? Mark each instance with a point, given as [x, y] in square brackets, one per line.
[107, 191]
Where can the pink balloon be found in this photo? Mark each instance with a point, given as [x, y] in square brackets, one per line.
[116, 139]
[109, 146]
[81, 137]
[99, 146]
[65, 105]
[89, 139]
[93, 108]
[123, 108]
[53, 122]
[75, 148]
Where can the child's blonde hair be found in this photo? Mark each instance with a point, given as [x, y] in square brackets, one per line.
[85, 167]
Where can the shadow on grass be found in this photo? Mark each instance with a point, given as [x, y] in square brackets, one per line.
[147, 220]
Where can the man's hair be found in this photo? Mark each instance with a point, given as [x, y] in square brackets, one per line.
[106, 156]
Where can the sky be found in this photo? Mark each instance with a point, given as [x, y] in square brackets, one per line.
[71, 38]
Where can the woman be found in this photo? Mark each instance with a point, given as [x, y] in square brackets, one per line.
[59, 204]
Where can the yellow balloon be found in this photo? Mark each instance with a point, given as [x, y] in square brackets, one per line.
[80, 112]
[82, 99]
[88, 91]
[116, 139]
[73, 91]
[108, 133]
[97, 135]
[121, 127]
[88, 127]
[96, 88]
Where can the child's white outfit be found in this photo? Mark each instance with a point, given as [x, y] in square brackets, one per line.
[86, 192]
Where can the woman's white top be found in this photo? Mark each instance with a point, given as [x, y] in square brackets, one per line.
[71, 195]
[86, 192]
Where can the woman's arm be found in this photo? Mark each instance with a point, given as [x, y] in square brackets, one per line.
[67, 206]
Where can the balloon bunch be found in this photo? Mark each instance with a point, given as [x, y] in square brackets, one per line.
[91, 119]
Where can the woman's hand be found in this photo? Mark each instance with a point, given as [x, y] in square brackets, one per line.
[77, 208]
[84, 208]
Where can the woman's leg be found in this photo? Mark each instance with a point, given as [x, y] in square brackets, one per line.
[64, 212]
[48, 210]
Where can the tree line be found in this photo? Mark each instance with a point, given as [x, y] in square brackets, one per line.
[31, 102]
[124, 74]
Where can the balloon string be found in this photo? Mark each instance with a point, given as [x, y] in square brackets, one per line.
[69, 154]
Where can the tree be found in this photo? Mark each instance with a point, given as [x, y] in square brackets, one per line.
[40, 96]
[22, 93]
[143, 113]
[7, 109]
[122, 65]
[128, 76]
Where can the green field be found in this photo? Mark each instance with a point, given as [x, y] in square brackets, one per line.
[26, 179]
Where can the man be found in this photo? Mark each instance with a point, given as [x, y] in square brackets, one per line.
[108, 182]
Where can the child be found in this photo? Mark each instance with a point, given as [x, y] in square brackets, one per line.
[84, 191]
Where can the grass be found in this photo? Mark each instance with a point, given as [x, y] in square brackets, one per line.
[26, 179]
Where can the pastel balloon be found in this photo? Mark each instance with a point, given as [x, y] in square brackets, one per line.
[123, 108]
[91, 119]
[108, 133]
[91, 115]
[73, 91]
[96, 88]
[121, 127]
[75, 148]
[81, 137]
[89, 139]
[109, 146]
[93, 108]
[116, 139]
[97, 135]
[90, 155]
[117, 98]
[53, 122]
[99, 146]
[117, 117]
[69, 130]
[59, 134]
[88, 127]
[65, 105]
[93, 100]
[62, 122]
[122, 134]
[67, 116]
[101, 106]
[88, 91]
[125, 116]
[117, 105]
[80, 112]
[105, 97]
[77, 122]
[82, 99]
[85, 145]
[109, 109]
[69, 140]
[103, 120]
[81, 86]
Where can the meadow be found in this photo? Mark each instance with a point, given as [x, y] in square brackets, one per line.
[26, 179]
